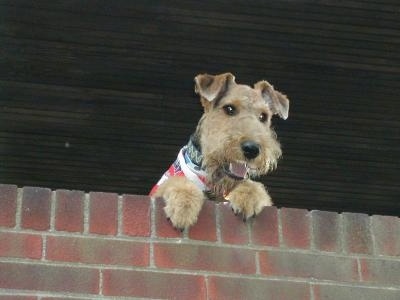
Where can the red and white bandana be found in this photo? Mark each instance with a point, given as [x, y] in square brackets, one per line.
[183, 166]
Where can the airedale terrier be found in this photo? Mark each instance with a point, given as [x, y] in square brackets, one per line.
[233, 143]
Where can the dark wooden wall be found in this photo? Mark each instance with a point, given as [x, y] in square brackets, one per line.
[98, 95]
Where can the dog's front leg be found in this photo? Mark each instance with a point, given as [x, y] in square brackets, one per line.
[249, 198]
[183, 201]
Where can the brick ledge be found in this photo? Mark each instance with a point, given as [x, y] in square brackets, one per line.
[99, 245]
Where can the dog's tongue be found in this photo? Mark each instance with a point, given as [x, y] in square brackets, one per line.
[238, 169]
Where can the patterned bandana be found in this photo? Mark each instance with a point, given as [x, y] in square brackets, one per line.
[188, 164]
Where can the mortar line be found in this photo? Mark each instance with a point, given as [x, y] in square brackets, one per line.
[44, 248]
[18, 212]
[52, 294]
[152, 232]
[249, 225]
[257, 258]
[53, 208]
[312, 238]
[207, 286]
[218, 223]
[152, 218]
[86, 213]
[312, 297]
[119, 216]
[101, 282]
[341, 234]
[360, 277]
[280, 232]
[185, 233]
[371, 232]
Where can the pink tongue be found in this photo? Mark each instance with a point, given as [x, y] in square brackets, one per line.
[238, 169]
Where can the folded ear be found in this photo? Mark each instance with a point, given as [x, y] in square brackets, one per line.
[277, 102]
[211, 87]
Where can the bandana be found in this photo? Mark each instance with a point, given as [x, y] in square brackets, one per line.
[187, 164]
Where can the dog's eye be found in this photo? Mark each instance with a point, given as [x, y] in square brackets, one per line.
[263, 117]
[230, 110]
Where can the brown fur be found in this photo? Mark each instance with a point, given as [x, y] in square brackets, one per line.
[220, 136]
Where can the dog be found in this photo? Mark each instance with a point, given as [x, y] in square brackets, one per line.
[232, 144]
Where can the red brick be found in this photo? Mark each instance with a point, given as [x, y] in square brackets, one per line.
[97, 251]
[326, 231]
[136, 215]
[8, 205]
[381, 271]
[153, 285]
[221, 288]
[164, 227]
[205, 229]
[20, 245]
[201, 257]
[103, 213]
[335, 292]
[357, 236]
[386, 230]
[297, 264]
[265, 228]
[69, 211]
[36, 208]
[48, 278]
[295, 227]
[233, 229]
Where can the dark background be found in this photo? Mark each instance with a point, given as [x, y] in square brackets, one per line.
[98, 95]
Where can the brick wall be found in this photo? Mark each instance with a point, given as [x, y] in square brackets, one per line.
[71, 245]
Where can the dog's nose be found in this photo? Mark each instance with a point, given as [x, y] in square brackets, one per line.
[250, 149]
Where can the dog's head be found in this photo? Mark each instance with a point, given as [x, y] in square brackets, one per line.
[235, 133]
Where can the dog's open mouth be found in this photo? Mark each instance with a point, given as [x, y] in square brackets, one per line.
[237, 170]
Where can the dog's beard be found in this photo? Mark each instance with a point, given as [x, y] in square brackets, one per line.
[230, 160]
[225, 164]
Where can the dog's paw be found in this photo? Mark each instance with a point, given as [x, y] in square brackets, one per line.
[182, 212]
[183, 202]
[182, 209]
[248, 199]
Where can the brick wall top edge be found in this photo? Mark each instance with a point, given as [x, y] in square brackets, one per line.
[12, 186]
[7, 187]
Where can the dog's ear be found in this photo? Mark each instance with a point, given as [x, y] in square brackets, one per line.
[277, 102]
[211, 87]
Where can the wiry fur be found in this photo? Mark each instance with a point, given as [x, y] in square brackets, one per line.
[220, 137]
